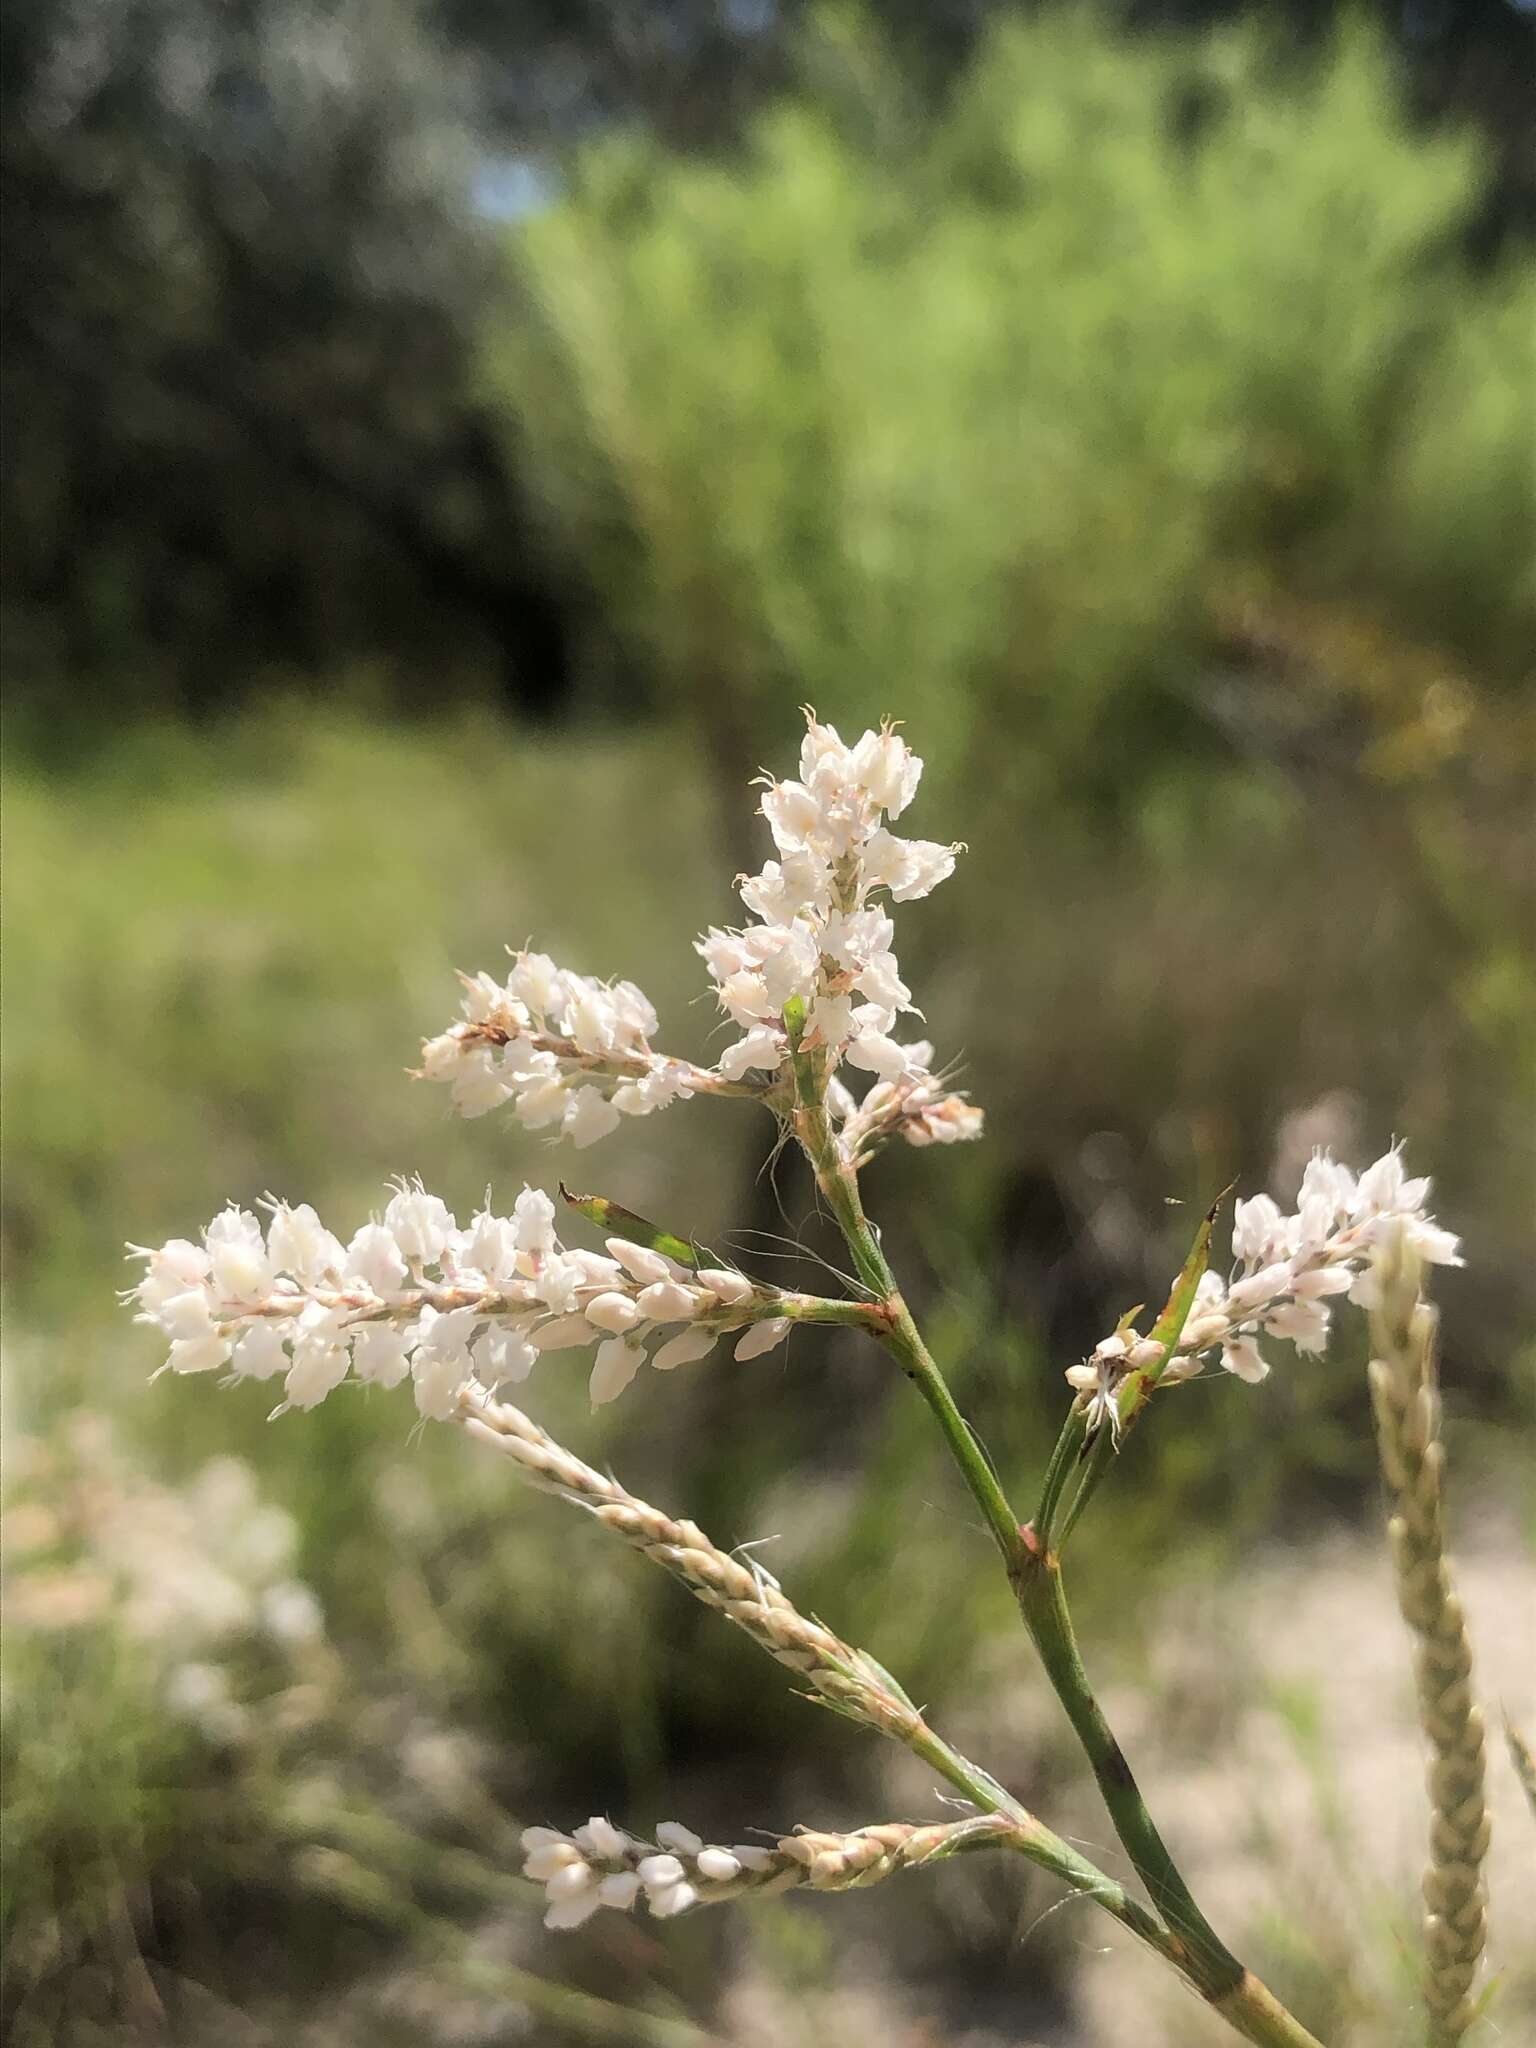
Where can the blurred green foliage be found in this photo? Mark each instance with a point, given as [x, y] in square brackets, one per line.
[1003, 412]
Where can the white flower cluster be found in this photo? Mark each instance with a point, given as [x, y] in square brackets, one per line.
[599, 1865]
[822, 936]
[1286, 1268]
[413, 1294]
[572, 1053]
[562, 1048]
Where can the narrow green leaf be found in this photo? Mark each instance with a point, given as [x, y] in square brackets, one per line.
[1136, 1390]
[1169, 1327]
[615, 1221]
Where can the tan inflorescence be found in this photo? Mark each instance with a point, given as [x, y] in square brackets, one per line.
[842, 1676]
[1404, 1390]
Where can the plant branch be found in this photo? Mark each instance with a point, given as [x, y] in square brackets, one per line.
[1188, 1941]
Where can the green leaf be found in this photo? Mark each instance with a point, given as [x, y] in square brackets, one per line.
[1169, 1327]
[616, 1221]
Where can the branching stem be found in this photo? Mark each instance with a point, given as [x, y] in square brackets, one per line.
[1186, 1938]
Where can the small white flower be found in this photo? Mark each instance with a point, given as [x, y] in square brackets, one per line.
[718, 1865]
[198, 1354]
[671, 1834]
[877, 1054]
[1242, 1356]
[657, 1872]
[420, 1223]
[588, 1117]
[238, 1267]
[300, 1245]
[1302, 1323]
[319, 1364]
[762, 1047]
[259, 1355]
[1257, 1229]
[379, 1353]
[502, 1354]
[374, 1258]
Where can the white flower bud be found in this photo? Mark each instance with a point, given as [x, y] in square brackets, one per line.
[565, 1914]
[672, 1899]
[640, 1261]
[615, 1366]
[665, 1301]
[718, 1865]
[673, 1835]
[569, 1879]
[540, 1838]
[682, 1350]
[656, 1872]
[620, 1890]
[561, 1334]
[752, 1856]
[731, 1288]
[601, 1840]
[616, 1312]
[763, 1337]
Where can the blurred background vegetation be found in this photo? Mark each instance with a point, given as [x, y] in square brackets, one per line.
[443, 445]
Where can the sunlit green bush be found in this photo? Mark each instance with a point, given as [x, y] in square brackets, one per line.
[1000, 404]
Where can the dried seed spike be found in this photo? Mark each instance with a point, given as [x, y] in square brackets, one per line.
[1402, 1383]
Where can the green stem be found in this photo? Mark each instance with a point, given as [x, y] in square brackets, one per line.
[1033, 1839]
[1096, 1466]
[1043, 1604]
[1057, 1473]
[1187, 1940]
[840, 1189]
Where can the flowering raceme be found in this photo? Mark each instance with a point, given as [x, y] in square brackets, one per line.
[815, 967]
[1286, 1270]
[414, 1295]
[812, 987]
